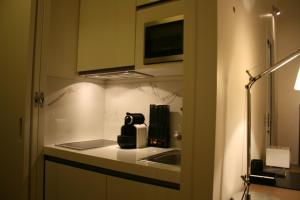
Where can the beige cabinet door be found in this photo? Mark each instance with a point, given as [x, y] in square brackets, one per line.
[64, 182]
[118, 188]
[16, 42]
[106, 34]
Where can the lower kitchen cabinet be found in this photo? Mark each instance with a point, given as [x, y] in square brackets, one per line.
[63, 182]
[118, 188]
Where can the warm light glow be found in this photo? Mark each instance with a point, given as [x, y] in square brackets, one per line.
[297, 83]
[276, 11]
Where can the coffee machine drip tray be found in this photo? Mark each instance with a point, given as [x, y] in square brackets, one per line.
[88, 144]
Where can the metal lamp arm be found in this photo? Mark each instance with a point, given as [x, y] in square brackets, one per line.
[275, 67]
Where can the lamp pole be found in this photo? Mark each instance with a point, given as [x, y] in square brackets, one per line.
[252, 80]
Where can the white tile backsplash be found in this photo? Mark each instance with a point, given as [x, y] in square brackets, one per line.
[77, 111]
[73, 111]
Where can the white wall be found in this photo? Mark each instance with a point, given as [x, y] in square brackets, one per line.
[74, 111]
[242, 39]
[287, 99]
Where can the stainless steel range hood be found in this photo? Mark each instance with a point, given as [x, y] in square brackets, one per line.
[114, 73]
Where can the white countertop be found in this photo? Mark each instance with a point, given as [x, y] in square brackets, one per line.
[123, 160]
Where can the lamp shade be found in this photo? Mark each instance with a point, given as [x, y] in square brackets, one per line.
[297, 83]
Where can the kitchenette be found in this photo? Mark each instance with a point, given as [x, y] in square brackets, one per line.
[109, 99]
[145, 99]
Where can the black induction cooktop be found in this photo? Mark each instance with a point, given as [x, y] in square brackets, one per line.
[83, 145]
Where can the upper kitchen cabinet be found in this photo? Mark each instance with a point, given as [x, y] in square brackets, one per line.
[106, 34]
[159, 38]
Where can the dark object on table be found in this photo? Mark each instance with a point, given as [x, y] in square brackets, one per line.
[273, 176]
[159, 126]
[278, 172]
[290, 181]
[262, 179]
[257, 166]
[259, 176]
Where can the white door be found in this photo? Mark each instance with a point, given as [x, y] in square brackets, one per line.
[16, 42]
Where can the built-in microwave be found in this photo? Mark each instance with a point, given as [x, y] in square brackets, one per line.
[159, 35]
[163, 40]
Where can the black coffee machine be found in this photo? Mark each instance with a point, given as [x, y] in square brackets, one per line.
[131, 130]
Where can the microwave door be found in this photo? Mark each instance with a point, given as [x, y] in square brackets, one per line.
[164, 40]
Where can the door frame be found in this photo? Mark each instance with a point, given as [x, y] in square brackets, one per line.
[38, 85]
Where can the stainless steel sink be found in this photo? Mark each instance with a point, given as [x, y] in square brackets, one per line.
[172, 157]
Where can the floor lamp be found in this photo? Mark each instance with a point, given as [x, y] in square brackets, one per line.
[252, 79]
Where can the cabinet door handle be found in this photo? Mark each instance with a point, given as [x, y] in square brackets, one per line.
[39, 99]
[20, 128]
